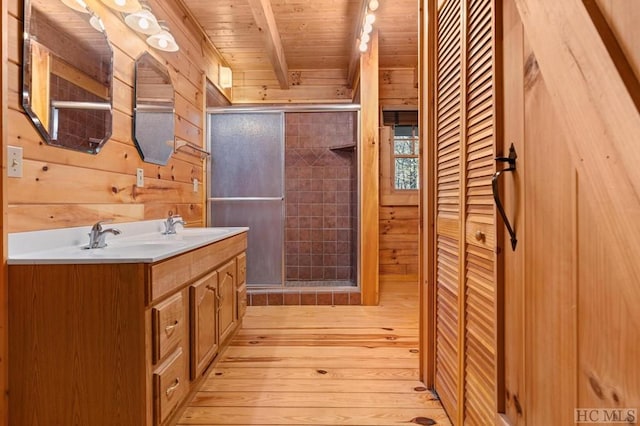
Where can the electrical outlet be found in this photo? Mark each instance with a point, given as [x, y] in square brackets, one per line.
[14, 161]
[140, 178]
[195, 185]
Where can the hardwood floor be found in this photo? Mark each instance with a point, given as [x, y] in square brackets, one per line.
[321, 365]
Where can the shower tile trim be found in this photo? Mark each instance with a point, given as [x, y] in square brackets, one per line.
[304, 296]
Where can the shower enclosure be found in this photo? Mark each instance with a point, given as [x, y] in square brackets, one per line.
[291, 176]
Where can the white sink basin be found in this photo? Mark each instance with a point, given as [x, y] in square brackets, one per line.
[138, 243]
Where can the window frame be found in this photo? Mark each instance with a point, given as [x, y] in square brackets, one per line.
[389, 195]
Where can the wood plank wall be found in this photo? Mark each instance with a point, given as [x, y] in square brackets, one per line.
[306, 86]
[4, 314]
[399, 224]
[62, 188]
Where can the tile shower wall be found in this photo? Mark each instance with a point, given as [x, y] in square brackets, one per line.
[321, 197]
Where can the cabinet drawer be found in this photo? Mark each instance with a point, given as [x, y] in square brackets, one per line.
[241, 262]
[168, 326]
[242, 300]
[170, 386]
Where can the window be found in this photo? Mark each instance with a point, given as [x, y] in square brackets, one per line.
[406, 150]
[399, 157]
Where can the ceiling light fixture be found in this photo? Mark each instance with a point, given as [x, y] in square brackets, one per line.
[367, 25]
[143, 21]
[77, 5]
[125, 6]
[163, 41]
[370, 18]
[96, 23]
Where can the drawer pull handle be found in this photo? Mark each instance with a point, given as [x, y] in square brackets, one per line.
[168, 329]
[480, 236]
[171, 389]
[208, 287]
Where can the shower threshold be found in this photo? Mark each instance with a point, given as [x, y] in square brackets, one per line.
[320, 283]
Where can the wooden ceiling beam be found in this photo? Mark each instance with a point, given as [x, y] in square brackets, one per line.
[266, 22]
[354, 61]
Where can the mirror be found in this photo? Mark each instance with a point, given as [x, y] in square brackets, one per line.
[67, 75]
[153, 123]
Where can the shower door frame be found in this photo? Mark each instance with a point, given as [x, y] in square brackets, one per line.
[285, 109]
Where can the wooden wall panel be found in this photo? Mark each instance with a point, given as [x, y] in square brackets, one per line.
[573, 277]
[5, 77]
[398, 86]
[399, 224]
[399, 243]
[62, 188]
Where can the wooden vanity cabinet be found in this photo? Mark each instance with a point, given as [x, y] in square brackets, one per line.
[105, 344]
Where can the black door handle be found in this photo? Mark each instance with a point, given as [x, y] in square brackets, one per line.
[511, 160]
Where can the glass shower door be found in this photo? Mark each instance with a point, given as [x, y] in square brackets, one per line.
[247, 187]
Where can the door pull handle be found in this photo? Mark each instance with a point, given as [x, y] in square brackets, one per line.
[511, 160]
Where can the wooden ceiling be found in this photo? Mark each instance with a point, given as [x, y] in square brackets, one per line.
[283, 38]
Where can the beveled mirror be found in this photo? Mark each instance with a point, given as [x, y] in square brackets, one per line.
[153, 123]
[67, 75]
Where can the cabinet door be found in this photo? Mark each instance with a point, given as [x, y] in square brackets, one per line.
[203, 299]
[227, 301]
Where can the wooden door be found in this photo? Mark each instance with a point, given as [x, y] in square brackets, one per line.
[572, 327]
[227, 299]
[466, 281]
[203, 297]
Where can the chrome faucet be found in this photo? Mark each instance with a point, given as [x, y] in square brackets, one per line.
[97, 236]
[171, 222]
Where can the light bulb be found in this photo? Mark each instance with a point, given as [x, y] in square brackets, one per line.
[365, 38]
[373, 5]
[143, 23]
[163, 43]
[121, 2]
[367, 28]
[370, 18]
[363, 47]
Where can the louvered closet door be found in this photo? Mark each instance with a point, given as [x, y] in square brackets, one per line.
[465, 373]
[448, 142]
[480, 279]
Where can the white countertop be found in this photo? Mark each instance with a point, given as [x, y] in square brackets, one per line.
[139, 242]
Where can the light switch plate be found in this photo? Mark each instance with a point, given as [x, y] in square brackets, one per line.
[14, 161]
[140, 178]
[195, 185]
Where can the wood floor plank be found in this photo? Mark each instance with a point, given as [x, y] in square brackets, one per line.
[327, 337]
[215, 384]
[321, 365]
[320, 399]
[320, 352]
[308, 416]
[308, 373]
